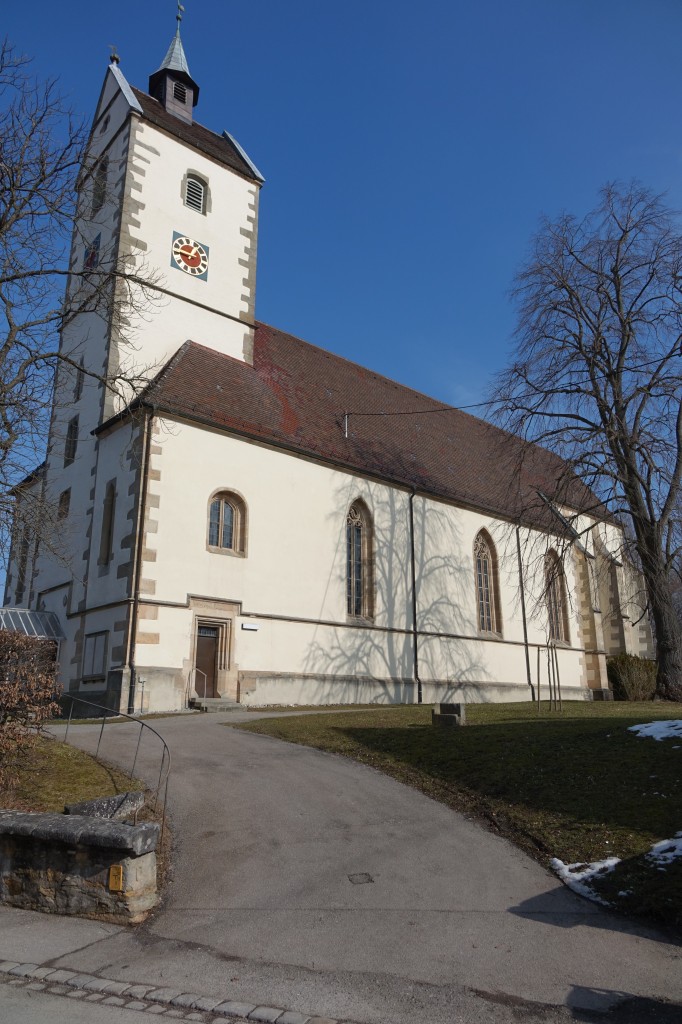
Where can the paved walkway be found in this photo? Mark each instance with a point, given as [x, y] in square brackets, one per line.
[303, 880]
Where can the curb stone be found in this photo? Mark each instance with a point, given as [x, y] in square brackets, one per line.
[171, 1003]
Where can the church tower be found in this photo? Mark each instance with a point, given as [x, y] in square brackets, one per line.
[163, 252]
[187, 220]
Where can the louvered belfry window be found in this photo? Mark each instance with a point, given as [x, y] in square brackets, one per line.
[179, 92]
[195, 194]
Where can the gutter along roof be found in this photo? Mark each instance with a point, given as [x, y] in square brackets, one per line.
[295, 395]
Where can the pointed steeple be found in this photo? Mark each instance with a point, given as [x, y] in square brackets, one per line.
[175, 59]
[172, 83]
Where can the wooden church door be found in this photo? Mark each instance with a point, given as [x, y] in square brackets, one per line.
[206, 661]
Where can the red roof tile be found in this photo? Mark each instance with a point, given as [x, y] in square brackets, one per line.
[295, 396]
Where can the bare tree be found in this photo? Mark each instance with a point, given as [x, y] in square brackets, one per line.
[43, 179]
[597, 377]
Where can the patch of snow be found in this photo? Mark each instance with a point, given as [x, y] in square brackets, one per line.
[658, 730]
[577, 876]
[667, 850]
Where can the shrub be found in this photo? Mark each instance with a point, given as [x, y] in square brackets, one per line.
[27, 697]
[631, 678]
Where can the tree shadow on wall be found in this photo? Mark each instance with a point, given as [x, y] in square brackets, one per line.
[381, 650]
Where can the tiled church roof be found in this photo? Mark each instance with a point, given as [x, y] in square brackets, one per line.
[295, 396]
[219, 147]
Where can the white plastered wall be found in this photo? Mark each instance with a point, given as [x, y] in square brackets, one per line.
[215, 312]
[290, 585]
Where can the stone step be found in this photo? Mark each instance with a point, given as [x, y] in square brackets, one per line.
[214, 704]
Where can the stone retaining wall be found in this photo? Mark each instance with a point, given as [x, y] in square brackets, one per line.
[77, 864]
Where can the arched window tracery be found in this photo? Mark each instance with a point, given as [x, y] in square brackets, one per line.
[487, 590]
[359, 582]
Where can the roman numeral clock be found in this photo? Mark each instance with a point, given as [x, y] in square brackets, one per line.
[189, 256]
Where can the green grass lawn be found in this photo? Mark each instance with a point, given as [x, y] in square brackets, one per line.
[54, 774]
[573, 784]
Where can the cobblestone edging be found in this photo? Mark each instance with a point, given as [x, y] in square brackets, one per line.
[166, 1002]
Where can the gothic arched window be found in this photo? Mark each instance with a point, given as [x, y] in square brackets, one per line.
[359, 585]
[555, 594]
[487, 600]
[227, 523]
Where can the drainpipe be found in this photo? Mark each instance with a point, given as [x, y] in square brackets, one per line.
[523, 612]
[414, 601]
[137, 565]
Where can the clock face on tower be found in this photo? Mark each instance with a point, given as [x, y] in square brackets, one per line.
[190, 256]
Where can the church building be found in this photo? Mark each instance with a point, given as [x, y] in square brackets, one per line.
[244, 516]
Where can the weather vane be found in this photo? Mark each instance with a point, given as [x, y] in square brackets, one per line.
[181, 11]
[114, 59]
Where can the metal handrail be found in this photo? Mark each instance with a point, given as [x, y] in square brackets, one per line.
[162, 784]
[190, 676]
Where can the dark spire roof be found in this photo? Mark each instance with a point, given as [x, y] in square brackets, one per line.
[175, 64]
[175, 59]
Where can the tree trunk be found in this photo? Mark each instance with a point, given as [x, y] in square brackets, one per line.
[667, 628]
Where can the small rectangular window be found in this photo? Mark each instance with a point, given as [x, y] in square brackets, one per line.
[91, 260]
[94, 656]
[64, 504]
[179, 92]
[71, 445]
[23, 565]
[106, 543]
[78, 385]
[99, 185]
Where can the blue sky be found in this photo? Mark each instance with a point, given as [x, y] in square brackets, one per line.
[408, 148]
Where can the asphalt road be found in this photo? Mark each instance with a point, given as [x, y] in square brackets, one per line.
[307, 881]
